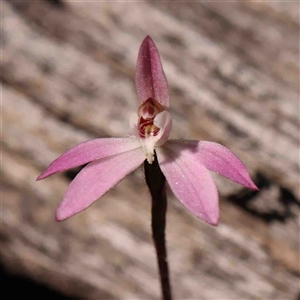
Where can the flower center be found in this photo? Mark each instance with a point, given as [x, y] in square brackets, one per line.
[147, 112]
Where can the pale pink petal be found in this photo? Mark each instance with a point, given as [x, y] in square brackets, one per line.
[216, 158]
[164, 122]
[150, 78]
[191, 183]
[89, 151]
[96, 179]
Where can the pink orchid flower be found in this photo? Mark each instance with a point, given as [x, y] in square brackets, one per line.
[184, 163]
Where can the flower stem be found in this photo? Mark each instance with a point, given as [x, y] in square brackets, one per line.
[156, 183]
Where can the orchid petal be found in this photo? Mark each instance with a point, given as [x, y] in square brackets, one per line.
[163, 121]
[96, 179]
[216, 158]
[150, 78]
[191, 183]
[89, 151]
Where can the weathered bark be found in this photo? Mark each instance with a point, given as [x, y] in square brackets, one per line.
[67, 75]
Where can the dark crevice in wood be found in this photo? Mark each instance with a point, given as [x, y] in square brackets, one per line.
[245, 198]
[71, 174]
[57, 3]
[227, 81]
[236, 131]
[14, 283]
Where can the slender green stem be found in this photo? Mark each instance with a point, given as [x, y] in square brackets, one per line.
[156, 183]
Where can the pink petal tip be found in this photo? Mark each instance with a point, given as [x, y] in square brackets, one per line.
[150, 78]
[89, 151]
[94, 180]
[191, 183]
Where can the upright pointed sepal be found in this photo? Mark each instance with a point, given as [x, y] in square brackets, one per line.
[150, 78]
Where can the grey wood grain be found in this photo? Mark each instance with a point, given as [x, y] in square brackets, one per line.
[67, 75]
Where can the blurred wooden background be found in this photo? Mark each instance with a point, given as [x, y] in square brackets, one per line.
[67, 75]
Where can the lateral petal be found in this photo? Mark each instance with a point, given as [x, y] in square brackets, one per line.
[164, 122]
[96, 179]
[89, 151]
[191, 183]
[150, 78]
[216, 158]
